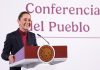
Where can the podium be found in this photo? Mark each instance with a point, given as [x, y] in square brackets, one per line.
[30, 56]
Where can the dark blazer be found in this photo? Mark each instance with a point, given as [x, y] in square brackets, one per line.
[14, 43]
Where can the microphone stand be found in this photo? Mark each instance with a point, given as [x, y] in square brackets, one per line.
[43, 38]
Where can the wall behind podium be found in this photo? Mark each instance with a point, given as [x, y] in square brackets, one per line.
[83, 47]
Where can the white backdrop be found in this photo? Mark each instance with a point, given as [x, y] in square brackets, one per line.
[83, 53]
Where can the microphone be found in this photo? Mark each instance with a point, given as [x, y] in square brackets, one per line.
[43, 38]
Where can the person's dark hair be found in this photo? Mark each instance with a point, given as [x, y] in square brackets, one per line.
[22, 13]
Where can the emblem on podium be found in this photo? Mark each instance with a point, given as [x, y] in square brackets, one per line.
[46, 53]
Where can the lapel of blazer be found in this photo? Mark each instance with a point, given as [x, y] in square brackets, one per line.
[18, 38]
[30, 39]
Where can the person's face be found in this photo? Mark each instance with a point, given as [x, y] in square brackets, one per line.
[25, 22]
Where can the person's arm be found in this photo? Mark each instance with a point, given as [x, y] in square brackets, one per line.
[7, 48]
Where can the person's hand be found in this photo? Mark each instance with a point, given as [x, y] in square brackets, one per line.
[11, 58]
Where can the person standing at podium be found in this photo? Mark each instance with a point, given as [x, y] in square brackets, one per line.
[19, 38]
